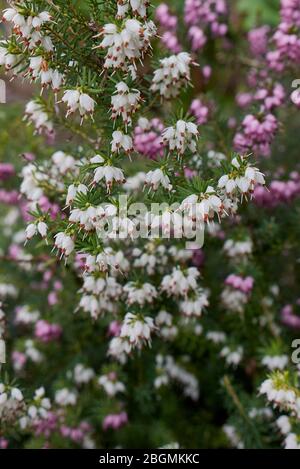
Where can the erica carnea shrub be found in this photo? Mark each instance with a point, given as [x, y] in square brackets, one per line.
[149, 246]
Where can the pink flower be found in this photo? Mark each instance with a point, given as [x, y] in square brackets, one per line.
[14, 251]
[171, 42]
[19, 360]
[286, 39]
[80, 261]
[206, 71]
[257, 134]
[52, 298]
[76, 435]
[200, 111]
[3, 443]
[115, 421]
[114, 329]
[278, 192]
[6, 171]
[198, 258]
[168, 24]
[239, 283]
[47, 206]
[9, 197]
[271, 98]
[147, 138]
[289, 318]
[244, 99]
[29, 157]
[65, 431]
[197, 38]
[189, 173]
[206, 13]
[165, 18]
[58, 285]
[47, 425]
[47, 332]
[258, 39]
[47, 275]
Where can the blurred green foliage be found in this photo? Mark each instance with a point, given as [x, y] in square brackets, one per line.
[258, 12]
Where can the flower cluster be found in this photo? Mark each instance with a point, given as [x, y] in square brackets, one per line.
[279, 192]
[172, 75]
[36, 114]
[126, 45]
[147, 137]
[207, 14]
[257, 134]
[77, 100]
[286, 39]
[181, 137]
[281, 394]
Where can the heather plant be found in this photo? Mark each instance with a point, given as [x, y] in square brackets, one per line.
[149, 212]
